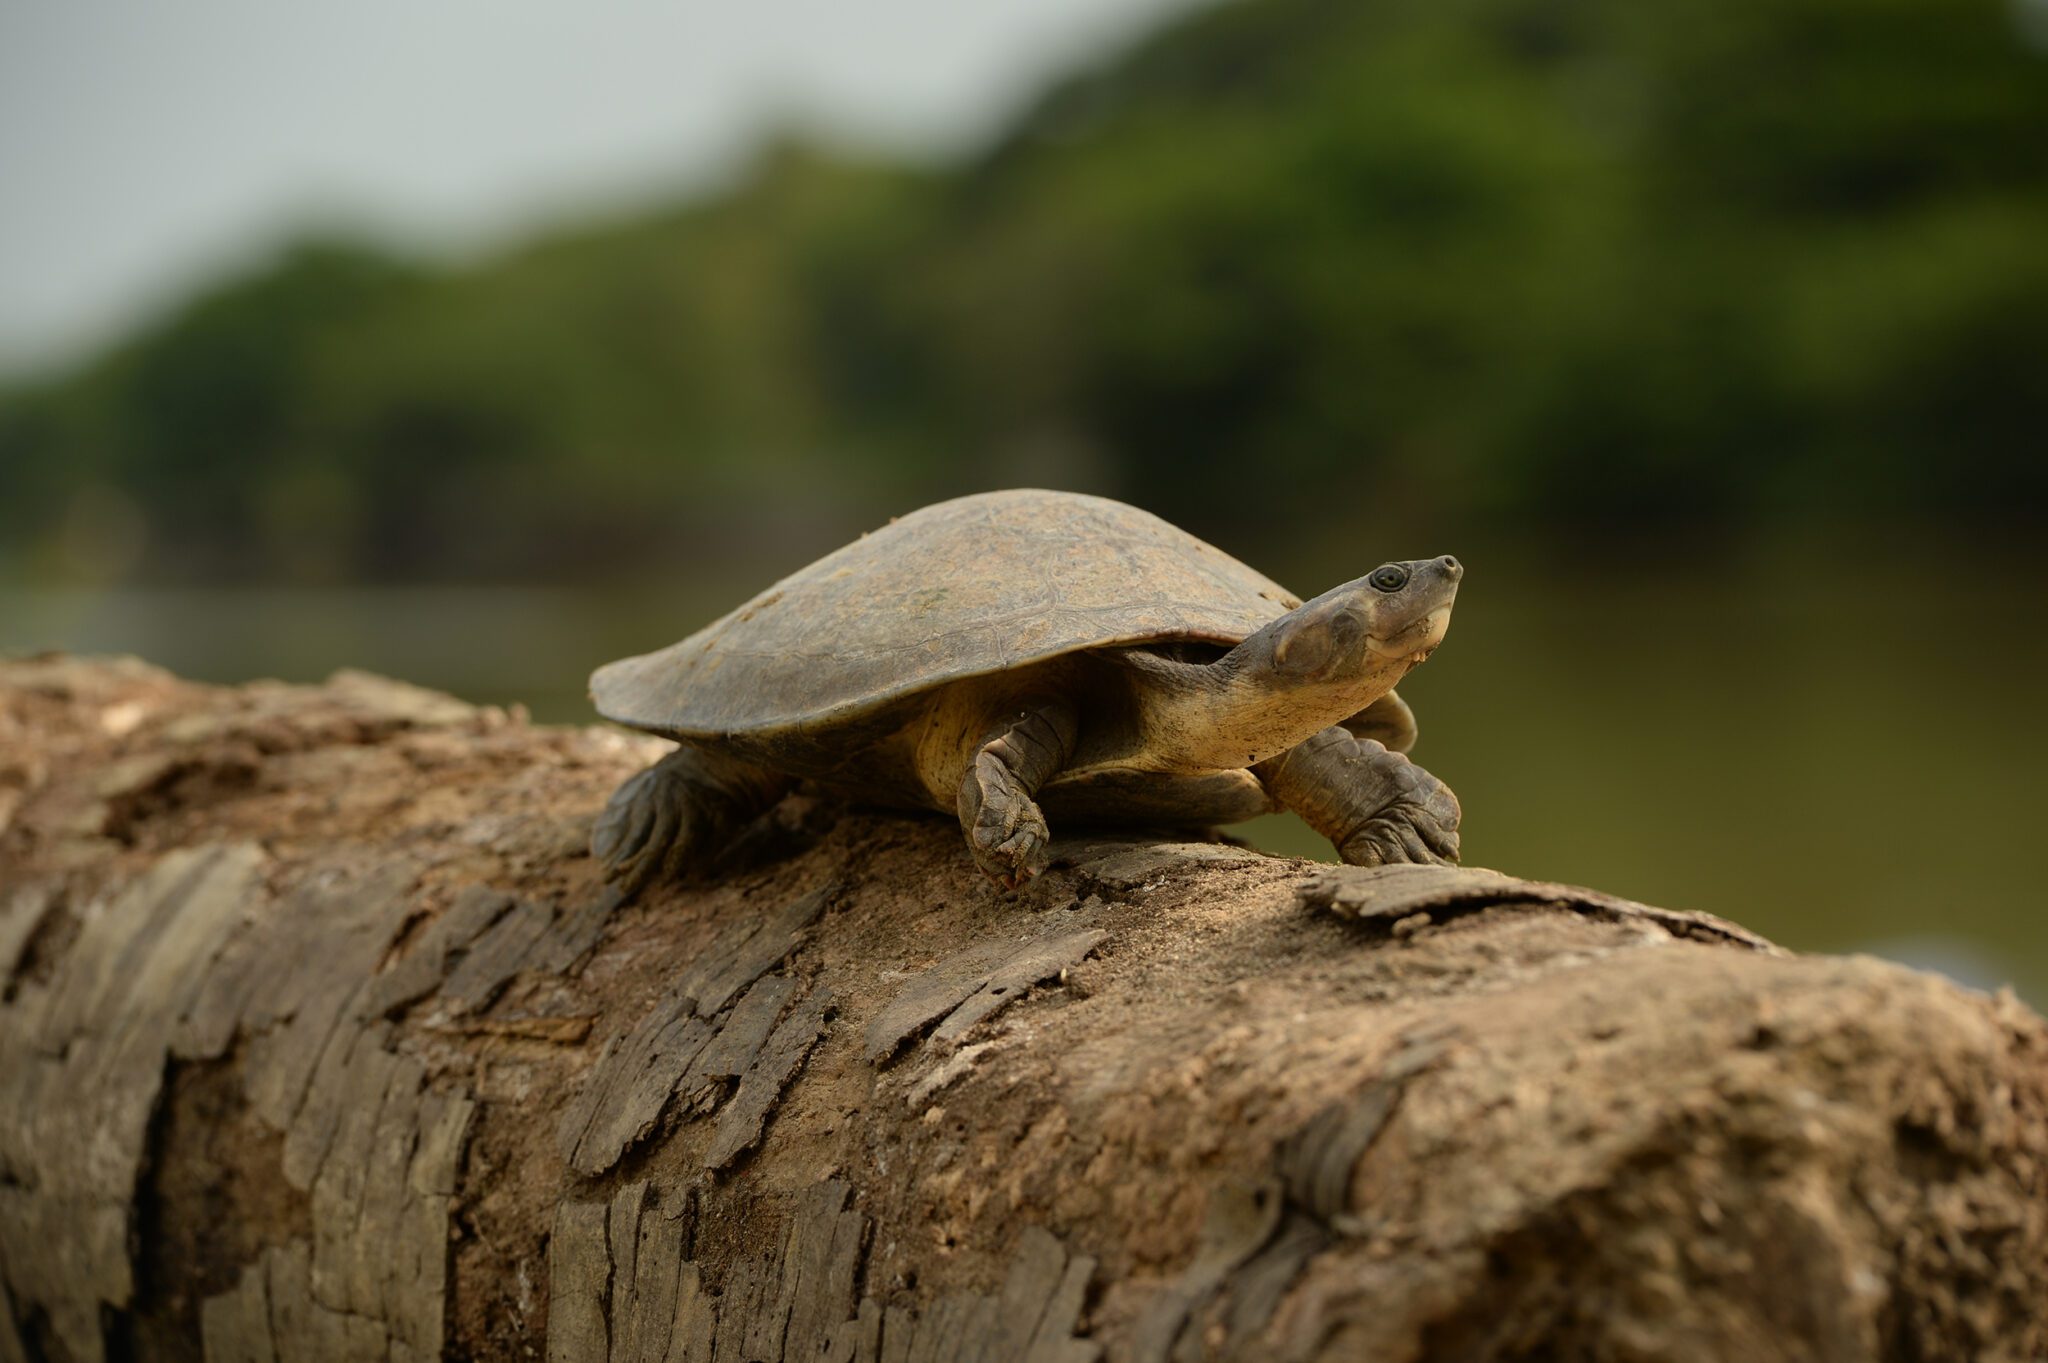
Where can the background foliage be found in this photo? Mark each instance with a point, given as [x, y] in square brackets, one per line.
[1497, 262]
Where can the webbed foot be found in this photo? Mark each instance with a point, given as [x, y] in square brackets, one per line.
[1418, 824]
[1006, 830]
[647, 830]
[678, 814]
[1376, 806]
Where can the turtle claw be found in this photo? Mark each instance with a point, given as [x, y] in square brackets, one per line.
[1017, 858]
[1012, 849]
[1418, 824]
[1390, 840]
[674, 814]
[647, 830]
[1006, 833]
[1378, 807]
[623, 825]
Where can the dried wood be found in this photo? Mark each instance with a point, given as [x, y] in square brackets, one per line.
[648, 1300]
[235, 1326]
[498, 955]
[1386, 895]
[302, 980]
[1039, 961]
[931, 995]
[443, 943]
[690, 1339]
[81, 1067]
[749, 949]
[351, 1000]
[970, 986]
[22, 913]
[741, 1121]
[305, 1330]
[579, 1284]
[631, 1084]
[743, 1033]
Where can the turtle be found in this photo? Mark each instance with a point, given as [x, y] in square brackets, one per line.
[1021, 656]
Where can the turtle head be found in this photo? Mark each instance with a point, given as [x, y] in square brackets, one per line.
[1318, 665]
[1329, 659]
[1383, 623]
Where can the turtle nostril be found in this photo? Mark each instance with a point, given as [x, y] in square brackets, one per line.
[1452, 568]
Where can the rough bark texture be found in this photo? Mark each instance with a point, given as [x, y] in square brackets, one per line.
[322, 1040]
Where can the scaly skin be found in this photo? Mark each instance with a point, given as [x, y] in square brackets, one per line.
[1375, 805]
[684, 808]
[1006, 831]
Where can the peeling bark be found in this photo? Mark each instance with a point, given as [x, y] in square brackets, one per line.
[321, 1040]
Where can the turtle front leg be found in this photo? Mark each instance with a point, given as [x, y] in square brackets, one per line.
[1005, 829]
[681, 809]
[1387, 721]
[1375, 805]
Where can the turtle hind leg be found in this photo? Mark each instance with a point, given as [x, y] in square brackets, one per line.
[1005, 828]
[1375, 805]
[682, 811]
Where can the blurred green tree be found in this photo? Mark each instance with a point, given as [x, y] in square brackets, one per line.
[1696, 265]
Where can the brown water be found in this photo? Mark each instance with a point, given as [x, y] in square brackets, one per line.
[1841, 760]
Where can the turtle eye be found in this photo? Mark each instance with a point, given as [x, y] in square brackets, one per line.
[1389, 577]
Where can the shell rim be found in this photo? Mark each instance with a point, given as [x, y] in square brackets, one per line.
[877, 701]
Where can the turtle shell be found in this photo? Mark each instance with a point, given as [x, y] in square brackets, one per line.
[956, 590]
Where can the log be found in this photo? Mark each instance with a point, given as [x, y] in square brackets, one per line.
[322, 1039]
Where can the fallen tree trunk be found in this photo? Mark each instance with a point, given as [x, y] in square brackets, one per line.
[322, 1040]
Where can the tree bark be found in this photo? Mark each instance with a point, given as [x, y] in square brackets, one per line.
[322, 1040]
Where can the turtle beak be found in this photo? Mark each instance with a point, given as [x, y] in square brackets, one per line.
[1418, 640]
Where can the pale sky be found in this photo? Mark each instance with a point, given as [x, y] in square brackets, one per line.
[146, 144]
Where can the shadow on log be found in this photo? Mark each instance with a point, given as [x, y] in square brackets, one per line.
[322, 1040]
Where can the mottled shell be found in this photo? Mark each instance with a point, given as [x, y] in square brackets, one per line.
[960, 589]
